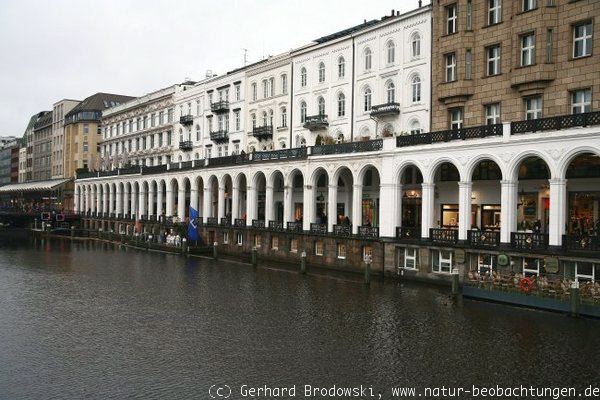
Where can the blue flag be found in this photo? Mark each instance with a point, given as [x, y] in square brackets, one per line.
[192, 231]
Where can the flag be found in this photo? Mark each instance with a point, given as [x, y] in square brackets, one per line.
[192, 231]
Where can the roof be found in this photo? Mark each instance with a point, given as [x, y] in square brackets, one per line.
[44, 120]
[348, 31]
[37, 186]
[99, 102]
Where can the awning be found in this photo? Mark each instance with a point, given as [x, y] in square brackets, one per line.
[38, 186]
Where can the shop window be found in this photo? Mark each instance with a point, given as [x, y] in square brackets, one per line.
[367, 252]
[585, 271]
[225, 237]
[486, 263]
[293, 245]
[319, 247]
[239, 239]
[257, 241]
[408, 258]
[531, 266]
[449, 215]
[341, 251]
[275, 243]
[441, 261]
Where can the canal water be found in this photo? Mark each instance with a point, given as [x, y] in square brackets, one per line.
[98, 321]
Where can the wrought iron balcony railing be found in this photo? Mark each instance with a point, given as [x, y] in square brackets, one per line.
[276, 226]
[318, 229]
[316, 122]
[368, 232]
[483, 239]
[263, 132]
[449, 135]
[345, 148]
[219, 106]
[529, 240]
[186, 119]
[405, 233]
[385, 109]
[555, 123]
[186, 145]
[212, 221]
[239, 223]
[443, 236]
[226, 222]
[258, 223]
[342, 230]
[574, 242]
[219, 136]
[297, 152]
[294, 226]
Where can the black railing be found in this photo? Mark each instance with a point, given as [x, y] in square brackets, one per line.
[186, 165]
[408, 233]
[318, 229]
[581, 242]
[385, 109]
[345, 148]
[555, 123]
[276, 226]
[186, 119]
[239, 223]
[219, 136]
[111, 172]
[258, 223]
[443, 236]
[529, 240]
[368, 231]
[212, 221]
[130, 170]
[263, 132]
[294, 226]
[483, 239]
[295, 153]
[219, 106]
[342, 230]
[229, 160]
[449, 135]
[186, 145]
[314, 122]
[225, 221]
[155, 169]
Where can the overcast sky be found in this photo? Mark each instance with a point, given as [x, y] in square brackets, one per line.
[58, 49]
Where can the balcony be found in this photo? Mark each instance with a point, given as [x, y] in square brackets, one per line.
[225, 222]
[368, 232]
[342, 230]
[220, 106]
[186, 145]
[220, 136]
[258, 223]
[318, 229]
[186, 119]
[263, 132]
[212, 221]
[476, 132]
[443, 236]
[407, 234]
[385, 109]
[483, 239]
[346, 148]
[529, 241]
[294, 226]
[316, 122]
[239, 223]
[581, 243]
[276, 226]
[555, 123]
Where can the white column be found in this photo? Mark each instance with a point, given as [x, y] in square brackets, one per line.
[141, 203]
[126, 201]
[221, 203]
[159, 201]
[251, 204]
[288, 211]
[388, 213]
[206, 204]
[269, 205]
[235, 203]
[76, 199]
[134, 206]
[119, 208]
[150, 199]
[111, 199]
[558, 211]
[90, 197]
[181, 203]
[308, 207]
[194, 198]
[427, 214]
[169, 202]
[508, 209]
[104, 200]
[464, 209]
[332, 207]
[98, 207]
[356, 207]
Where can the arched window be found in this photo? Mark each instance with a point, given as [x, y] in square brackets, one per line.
[415, 127]
[321, 103]
[254, 91]
[302, 112]
[368, 58]
[341, 102]
[367, 99]
[391, 52]
[302, 142]
[341, 67]
[283, 116]
[416, 45]
[340, 138]
[197, 156]
[284, 84]
[253, 117]
[416, 89]
[303, 77]
[197, 132]
[264, 118]
[388, 130]
[270, 117]
[321, 72]
[282, 145]
[391, 92]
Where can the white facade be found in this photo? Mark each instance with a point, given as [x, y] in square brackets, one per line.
[268, 88]
[22, 164]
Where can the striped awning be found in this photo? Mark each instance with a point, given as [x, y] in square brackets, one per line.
[37, 186]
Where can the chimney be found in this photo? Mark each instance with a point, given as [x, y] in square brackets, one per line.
[209, 73]
[420, 3]
[393, 12]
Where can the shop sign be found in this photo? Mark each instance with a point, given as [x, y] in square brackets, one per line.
[551, 264]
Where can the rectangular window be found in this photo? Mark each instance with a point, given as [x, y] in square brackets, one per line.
[582, 39]
[468, 64]
[493, 60]
[456, 118]
[239, 239]
[293, 245]
[585, 271]
[533, 107]
[529, 5]
[531, 266]
[319, 247]
[441, 261]
[581, 101]
[494, 11]
[486, 263]
[225, 237]
[341, 251]
[284, 88]
[527, 49]
[469, 15]
[451, 16]
[275, 243]
[549, 45]
[492, 114]
[238, 92]
[411, 255]
[450, 67]
[170, 115]
[238, 122]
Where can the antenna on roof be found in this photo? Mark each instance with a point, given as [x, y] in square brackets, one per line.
[245, 56]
